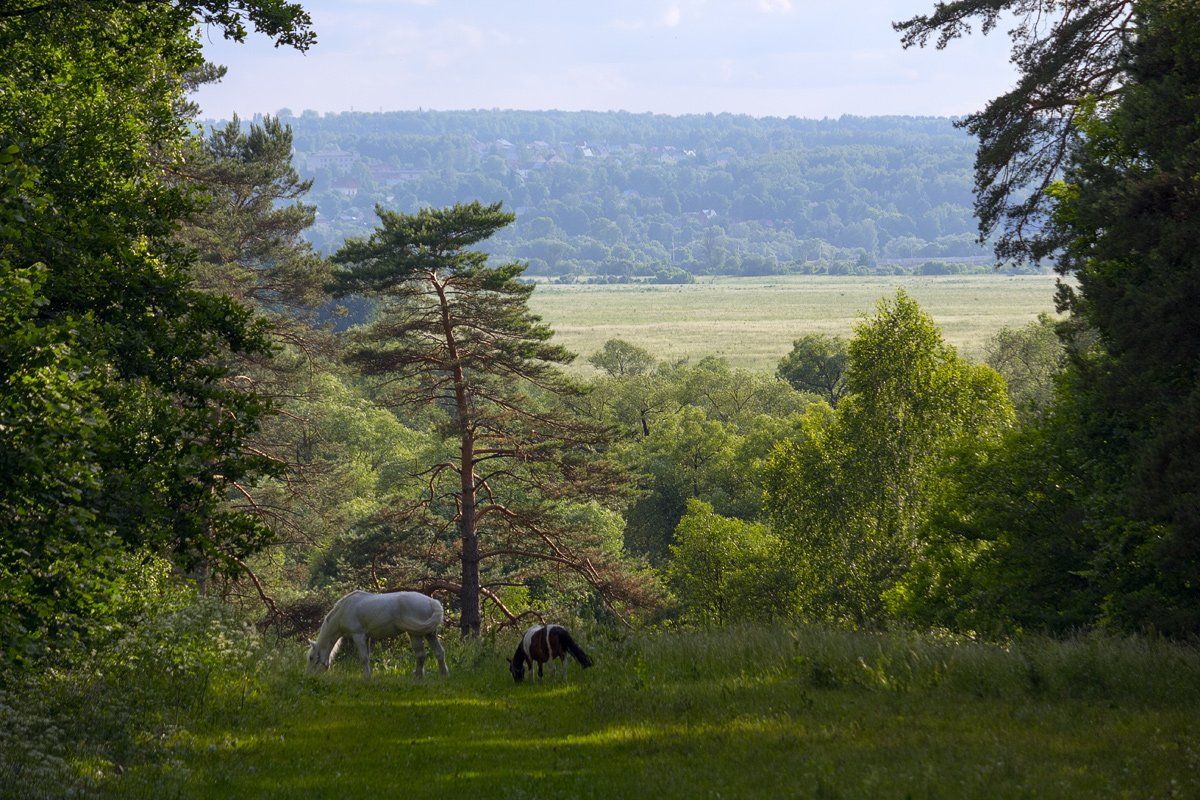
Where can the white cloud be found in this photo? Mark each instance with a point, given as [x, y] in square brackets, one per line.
[770, 6]
[672, 16]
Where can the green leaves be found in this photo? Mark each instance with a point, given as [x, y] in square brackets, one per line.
[726, 570]
[816, 364]
[852, 491]
[620, 359]
[119, 431]
[433, 240]
[1127, 212]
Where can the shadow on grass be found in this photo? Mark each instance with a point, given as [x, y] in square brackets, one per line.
[699, 738]
[811, 715]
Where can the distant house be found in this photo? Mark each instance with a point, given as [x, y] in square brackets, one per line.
[330, 157]
[346, 187]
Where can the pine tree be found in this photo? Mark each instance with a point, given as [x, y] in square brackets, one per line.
[1067, 55]
[246, 239]
[456, 333]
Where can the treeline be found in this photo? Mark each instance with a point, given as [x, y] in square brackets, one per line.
[642, 196]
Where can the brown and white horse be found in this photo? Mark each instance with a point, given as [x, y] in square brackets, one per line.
[540, 644]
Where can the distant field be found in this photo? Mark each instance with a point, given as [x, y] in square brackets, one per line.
[752, 321]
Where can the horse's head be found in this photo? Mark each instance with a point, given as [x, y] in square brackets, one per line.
[517, 668]
[316, 660]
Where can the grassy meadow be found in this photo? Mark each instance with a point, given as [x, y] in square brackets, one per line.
[752, 321]
[740, 712]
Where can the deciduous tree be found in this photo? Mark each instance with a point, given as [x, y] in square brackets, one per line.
[852, 491]
[1028, 358]
[726, 570]
[105, 316]
[816, 364]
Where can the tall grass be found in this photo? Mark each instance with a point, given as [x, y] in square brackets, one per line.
[752, 711]
[1132, 669]
[194, 704]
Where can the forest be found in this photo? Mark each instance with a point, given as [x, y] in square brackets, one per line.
[196, 464]
[619, 197]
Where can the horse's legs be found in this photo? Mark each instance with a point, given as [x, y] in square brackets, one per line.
[540, 675]
[418, 646]
[438, 652]
[364, 653]
[565, 663]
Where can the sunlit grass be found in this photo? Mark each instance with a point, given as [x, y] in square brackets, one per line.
[755, 712]
[753, 321]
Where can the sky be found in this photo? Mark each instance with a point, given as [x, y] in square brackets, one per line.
[803, 58]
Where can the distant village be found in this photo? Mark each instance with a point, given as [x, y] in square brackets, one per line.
[521, 159]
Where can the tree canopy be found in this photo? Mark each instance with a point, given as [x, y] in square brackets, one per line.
[120, 434]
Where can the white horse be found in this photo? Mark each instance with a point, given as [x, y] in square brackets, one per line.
[364, 616]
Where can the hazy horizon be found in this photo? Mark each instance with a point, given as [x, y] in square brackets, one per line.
[297, 112]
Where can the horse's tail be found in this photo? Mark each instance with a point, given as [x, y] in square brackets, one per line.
[574, 649]
[434, 623]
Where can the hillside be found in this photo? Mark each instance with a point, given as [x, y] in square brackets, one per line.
[641, 195]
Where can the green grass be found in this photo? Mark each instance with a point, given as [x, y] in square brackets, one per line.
[752, 321]
[731, 713]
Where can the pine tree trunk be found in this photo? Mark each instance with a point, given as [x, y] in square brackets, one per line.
[470, 618]
[468, 598]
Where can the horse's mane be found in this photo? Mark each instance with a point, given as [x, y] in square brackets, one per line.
[336, 611]
[337, 607]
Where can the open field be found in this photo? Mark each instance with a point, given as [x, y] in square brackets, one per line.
[732, 713]
[752, 321]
